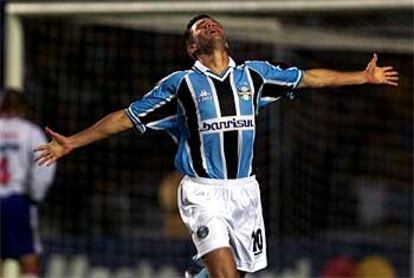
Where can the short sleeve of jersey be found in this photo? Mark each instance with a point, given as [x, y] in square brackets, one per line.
[158, 108]
[277, 81]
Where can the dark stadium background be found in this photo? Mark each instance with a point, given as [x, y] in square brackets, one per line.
[313, 153]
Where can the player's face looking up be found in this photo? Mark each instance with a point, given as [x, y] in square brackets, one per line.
[207, 36]
[208, 28]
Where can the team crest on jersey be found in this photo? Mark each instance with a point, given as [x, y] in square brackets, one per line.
[204, 96]
[202, 232]
[244, 92]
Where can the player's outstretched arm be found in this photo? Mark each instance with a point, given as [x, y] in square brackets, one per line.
[62, 145]
[373, 74]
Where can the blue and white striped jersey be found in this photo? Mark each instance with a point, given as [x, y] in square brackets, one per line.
[213, 117]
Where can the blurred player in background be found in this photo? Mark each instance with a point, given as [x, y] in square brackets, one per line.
[210, 110]
[22, 182]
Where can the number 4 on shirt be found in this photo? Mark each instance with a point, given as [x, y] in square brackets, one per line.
[4, 171]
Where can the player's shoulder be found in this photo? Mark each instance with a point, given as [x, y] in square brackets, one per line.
[266, 64]
[29, 124]
[23, 127]
[31, 127]
[19, 123]
[252, 63]
[257, 65]
[264, 67]
[174, 78]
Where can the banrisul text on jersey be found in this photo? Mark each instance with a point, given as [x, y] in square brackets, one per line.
[228, 124]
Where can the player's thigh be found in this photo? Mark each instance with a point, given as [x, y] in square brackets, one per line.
[220, 263]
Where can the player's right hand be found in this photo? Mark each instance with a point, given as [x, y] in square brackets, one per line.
[55, 149]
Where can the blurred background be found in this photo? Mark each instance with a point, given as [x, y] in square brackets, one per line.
[335, 165]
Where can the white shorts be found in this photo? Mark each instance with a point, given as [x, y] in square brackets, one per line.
[225, 213]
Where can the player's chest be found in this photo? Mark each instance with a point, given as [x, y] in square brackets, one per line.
[229, 97]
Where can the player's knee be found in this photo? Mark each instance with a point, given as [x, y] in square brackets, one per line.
[242, 274]
[223, 272]
[220, 263]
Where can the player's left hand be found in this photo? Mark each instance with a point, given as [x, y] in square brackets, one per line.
[380, 75]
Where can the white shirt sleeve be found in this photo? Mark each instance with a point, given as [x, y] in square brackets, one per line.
[41, 177]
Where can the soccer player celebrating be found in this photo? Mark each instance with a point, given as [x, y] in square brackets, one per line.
[22, 183]
[211, 112]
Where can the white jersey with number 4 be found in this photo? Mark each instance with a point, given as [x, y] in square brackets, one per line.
[19, 174]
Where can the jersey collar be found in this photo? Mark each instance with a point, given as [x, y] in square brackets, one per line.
[199, 66]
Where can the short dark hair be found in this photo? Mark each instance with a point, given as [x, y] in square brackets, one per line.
[14, 102]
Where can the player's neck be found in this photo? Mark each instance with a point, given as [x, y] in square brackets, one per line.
[217, 61]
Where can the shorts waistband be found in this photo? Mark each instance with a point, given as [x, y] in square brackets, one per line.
[218, 182]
